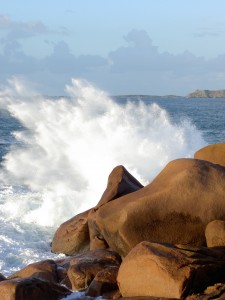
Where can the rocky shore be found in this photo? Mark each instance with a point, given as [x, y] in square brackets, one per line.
[162, 241]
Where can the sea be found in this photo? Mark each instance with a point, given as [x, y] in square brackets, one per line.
[56, 154]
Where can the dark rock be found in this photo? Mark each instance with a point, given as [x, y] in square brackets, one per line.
[83, 268]
[216, 291]
[31, 289]
[2, 277]
[105, 284]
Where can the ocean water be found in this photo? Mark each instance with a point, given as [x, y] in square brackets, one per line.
[56, 154]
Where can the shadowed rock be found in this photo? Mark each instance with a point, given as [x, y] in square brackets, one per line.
[31, 289]
[83, 268]
[214, 153]
[175, 208]
[217, 291]
[2, 277]
[105, 284]
[72, 237]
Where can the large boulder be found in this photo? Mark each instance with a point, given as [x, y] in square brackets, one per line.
[174, 208]
[31, 289]
[214, 153]
[160, 270]
[72, 237]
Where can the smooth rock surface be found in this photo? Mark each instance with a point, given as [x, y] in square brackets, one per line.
[120, 183]
[72, 237]
[215, 234]
[214, 153]
[174, 208]
[162, 270]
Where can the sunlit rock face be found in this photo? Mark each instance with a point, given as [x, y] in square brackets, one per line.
[214, 153]
[174, 208]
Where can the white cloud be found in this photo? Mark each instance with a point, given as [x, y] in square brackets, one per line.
[5, 22]
[213, 31]
[138, 67]
[21, 29]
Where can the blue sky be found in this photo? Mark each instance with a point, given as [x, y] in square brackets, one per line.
[122, 46]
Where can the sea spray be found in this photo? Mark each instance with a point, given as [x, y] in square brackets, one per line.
[60, 160]
[70, 145]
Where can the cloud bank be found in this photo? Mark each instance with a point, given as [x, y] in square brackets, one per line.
[137, 68]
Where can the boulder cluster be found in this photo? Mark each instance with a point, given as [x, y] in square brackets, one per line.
[164, 240]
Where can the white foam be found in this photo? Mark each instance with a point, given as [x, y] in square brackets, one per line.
[79, 295]
[71, 144]
[22, 244]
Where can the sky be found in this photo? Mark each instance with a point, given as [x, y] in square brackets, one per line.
[145, 47]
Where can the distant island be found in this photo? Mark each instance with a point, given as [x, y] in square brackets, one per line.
[195, 94]
[207, 94]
